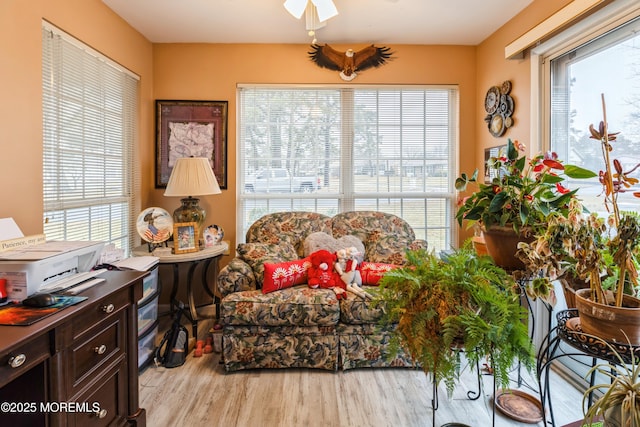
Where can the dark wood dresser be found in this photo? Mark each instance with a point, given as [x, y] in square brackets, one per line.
[77, 367]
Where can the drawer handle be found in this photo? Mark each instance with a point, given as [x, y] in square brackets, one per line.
[108, 308]
[17, 361]
[101, 413]
[100, 350]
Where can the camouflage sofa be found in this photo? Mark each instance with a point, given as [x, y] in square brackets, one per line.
[299, 326]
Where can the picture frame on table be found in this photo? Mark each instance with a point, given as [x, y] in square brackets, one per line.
[490, 173]
[185, 237]
[191, 129]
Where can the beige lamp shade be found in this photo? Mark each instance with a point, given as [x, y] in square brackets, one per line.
[192, 176]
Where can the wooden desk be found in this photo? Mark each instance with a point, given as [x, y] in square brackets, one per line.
[78, 366]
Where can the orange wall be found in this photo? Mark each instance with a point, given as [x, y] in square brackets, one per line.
[21, 107]
[493, 69]
[211, 72]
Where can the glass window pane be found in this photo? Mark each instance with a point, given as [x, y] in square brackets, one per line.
[335, 149]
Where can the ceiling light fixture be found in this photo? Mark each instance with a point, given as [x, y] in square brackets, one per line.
[317, 12]
[325, 8]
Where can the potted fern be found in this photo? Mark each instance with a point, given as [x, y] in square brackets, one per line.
[462, 303]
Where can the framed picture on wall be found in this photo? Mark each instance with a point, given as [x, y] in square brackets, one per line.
[185, 237]
[490, 173]
[191, 129]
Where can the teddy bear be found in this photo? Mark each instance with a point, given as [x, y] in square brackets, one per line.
[346, 265]
[322, 275]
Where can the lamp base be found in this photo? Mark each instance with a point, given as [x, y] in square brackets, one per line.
[190, 211]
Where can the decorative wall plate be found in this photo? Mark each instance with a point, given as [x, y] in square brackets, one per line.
[154, 225]
[492, 100]
[499, 106]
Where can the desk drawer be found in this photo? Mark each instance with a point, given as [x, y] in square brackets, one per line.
[20, 360]
[100, 345]
[107, 399]
[98, 312]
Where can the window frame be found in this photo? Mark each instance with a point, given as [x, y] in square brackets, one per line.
[119, 183]
[610, 17]
[347, 196]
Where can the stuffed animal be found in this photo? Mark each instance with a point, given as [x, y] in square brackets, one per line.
[355, 259]
[322, 275]
[346, 266]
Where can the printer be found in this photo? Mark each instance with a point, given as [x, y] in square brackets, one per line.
[28, 269]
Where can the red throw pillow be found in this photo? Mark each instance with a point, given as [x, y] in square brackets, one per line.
[284, 274]
[372, 272]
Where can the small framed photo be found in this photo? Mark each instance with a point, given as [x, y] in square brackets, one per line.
[489, 153]
[185, 237]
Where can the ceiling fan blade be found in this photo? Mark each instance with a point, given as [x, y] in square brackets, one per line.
[296, 7]
[326, 9]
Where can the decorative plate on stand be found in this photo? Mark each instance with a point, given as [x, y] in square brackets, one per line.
[154, 225]
[213, 234]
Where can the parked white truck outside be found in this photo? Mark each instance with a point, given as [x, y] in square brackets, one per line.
[279, 180]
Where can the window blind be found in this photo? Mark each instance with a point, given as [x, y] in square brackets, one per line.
[90, 176]
[389, 149]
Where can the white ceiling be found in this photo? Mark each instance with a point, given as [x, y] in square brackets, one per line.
[460, 22]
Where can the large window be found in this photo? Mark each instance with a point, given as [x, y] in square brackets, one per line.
[608, 65]
[89, 125]
[335, 149]
[601, 55]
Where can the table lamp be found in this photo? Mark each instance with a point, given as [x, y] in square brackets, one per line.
[191, 176]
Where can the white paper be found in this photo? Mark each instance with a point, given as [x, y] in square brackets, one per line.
[9, 229]
[140, 263]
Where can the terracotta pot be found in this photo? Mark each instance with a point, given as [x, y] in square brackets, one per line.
[479, 245]
[609, 322]
[570, 285]
[502, 244]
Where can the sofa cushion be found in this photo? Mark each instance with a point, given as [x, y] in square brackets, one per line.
[391, 249]
[372, 272]
[288, 227]
[298, 306]
[256, 254]
[386, 237]
[321, 240]
[284, 274]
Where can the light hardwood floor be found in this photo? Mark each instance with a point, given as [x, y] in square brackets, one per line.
[199, 393]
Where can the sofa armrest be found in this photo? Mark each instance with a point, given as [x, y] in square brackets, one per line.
[234, 277]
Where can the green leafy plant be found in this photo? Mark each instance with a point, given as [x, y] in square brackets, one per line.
[523, 193]
[461, 303]
[602, 252]
[621, 395]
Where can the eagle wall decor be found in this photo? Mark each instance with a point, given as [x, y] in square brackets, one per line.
[349, 62]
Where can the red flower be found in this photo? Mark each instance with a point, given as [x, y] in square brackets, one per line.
[561, 189]
[553, 164]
